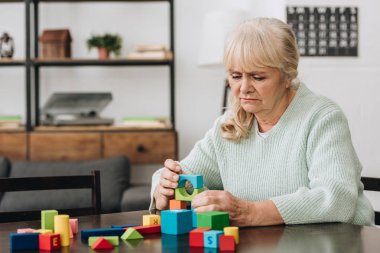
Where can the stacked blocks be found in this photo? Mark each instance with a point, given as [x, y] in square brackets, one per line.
[234, 231]
[177, 204]
[180, 191]
[176, 222]
[215, 220]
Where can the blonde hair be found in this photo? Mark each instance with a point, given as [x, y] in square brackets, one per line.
[259, 42]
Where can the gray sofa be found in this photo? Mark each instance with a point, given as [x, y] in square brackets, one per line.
[117, 192]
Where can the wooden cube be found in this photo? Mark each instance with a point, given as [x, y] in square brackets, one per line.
[227, 243]
[49, 241]
[177, 204]
[176, 222]
[196, 237]
[151, 219]
[214, 220]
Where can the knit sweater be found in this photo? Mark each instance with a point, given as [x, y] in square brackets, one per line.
[306, 164]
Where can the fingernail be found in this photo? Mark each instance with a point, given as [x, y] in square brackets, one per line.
[176, 177]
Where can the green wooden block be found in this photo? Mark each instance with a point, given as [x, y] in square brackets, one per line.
[131, 234]
[214, 220]
[113, 240]
[181, 194]
[47, 219]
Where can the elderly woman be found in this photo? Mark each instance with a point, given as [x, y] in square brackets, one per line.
[281, 154]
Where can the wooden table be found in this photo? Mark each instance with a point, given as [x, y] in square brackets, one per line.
[318, 238]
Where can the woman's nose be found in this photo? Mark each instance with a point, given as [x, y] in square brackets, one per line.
[246, 85]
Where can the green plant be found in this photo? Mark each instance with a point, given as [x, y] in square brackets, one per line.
[111, 42]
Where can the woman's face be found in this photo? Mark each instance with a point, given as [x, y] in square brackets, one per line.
[258, 91]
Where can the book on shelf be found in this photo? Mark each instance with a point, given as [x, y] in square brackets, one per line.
[149, 48]
[147, 122]
[10, 121]
[150, 55]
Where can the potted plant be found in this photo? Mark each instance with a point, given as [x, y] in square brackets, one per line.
[106, 44]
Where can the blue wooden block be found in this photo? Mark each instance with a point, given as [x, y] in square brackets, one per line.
[176, 222]
[194, 217]
[196, 181]
[85, 233]
[211, 238]
[124, 226]
[28, 241]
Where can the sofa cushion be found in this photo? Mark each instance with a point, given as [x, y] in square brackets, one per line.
[114, 179]
[137, 197]
[4, 169]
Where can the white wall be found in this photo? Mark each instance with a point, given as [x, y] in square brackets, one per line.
[352, 82]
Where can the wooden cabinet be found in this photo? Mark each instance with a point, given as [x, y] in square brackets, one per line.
[13, 145]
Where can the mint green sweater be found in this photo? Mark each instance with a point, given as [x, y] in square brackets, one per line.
[306, 164]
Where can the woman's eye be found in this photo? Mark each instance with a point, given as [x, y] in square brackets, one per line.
[235, 77]
[257, 78]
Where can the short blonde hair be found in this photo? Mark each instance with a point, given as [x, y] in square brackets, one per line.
[258, 42]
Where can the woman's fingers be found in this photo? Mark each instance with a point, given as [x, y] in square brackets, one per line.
[173, 166]
[168, 183]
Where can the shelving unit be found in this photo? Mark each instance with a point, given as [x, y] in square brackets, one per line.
[71, 142]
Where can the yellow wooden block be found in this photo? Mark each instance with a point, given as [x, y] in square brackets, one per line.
[62, 227]
[151, 219]
[43, 231]
[234, 231]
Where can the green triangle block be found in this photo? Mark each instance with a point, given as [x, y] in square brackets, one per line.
[131, 234]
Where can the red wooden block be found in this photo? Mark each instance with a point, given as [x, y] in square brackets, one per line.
[227, 243]
[49, 241]
[196, 237]
[101, 243]
[177, 204]
[151, 229]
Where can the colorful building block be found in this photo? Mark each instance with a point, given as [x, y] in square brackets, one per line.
[182, 194]
[215, 220]
[176, 222]
[227, 243]
[25, 230]
[234, 231]
[86, 233]
[177, 204]
[195, 180]
[26, 241]
[131, 234]
[74, 225]
[211, 238]
[152, 229]
[101, 243]
[71, 235]
[124, 225]
[196, 237]
[114, 240]
[49, 241]
[43, 231]
[47, 219]
[194, 216]
[62, 227]
[151, 219]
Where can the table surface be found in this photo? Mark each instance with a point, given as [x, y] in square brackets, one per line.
[295, 238]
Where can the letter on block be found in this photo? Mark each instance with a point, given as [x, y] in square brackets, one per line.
[151, 219]
[227, 243]
[181, 194]
[47, 219]
[27, 241]
[196, 237]
[49, 241]
[177, 204]
[62, 227]
[214, 220]
[176, 222]
[211, 238]
[234, 231]
[195, 180]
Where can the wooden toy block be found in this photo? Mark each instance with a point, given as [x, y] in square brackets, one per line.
[211, 238]
[182, 194]
[214, 220]
[177, 204]
[62, 227]
[227, 243]
[131, 234]
[234, 231]
[195, 180]
[71, 235]
[74, 225]
[25, 230]
[152, 229]
[114, 240]
[194, 217]
[26, 241]
[49, 241]
[124, 226]
[86, 233]
[101, 243]
[47, 219]
[176, 222]
[43, 231]
[196, 237]
[151, 219]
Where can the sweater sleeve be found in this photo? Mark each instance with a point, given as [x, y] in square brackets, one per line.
[334, 176]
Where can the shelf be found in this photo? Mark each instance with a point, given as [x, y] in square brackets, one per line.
[11, 62]
[96, 62]
[114, 128]
[11, 129]
[72, 1]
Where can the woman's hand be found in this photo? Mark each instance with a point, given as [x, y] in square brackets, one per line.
[239, 210]
[168, 182]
